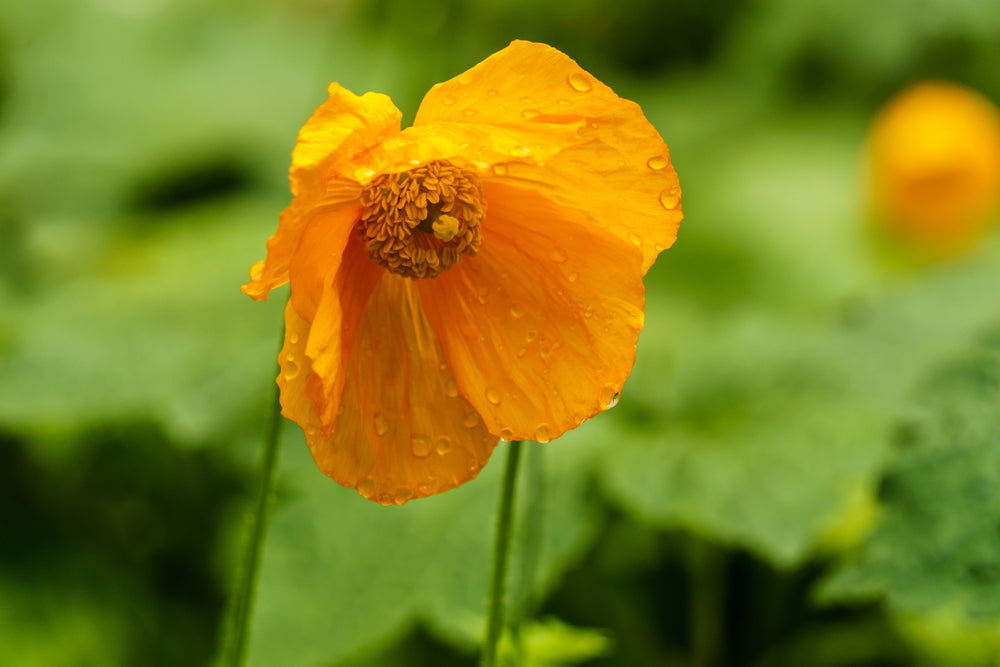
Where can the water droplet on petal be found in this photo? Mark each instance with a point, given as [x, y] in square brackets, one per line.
[470, 112]
[573, 276]
[420, 445]
[366, 487]
[657, 162]
[402, 495]
[448, 100]
[506, 434]
[385, 500]
[291, 368]
[558, 255]
[527, 100]
[293, 339]
[257, 270]
[381, 424]
[492, 92]
[564, 103]
[531, 113]
[532, 335]
[669, 199]
[545, 351]
[621, 163]
[471, 420]
[634, 239]
[423, 490]
[542, 433]
[609, 397]
[500, 169]
[517, 310]
[580, 82]
[442, 445]
[520, 353]
[493, 396]
[451, 388]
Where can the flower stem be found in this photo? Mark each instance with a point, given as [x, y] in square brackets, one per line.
[243, 597]
[501, 551]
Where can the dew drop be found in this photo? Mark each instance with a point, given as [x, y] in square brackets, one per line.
[564, 103]
[492, 92]
[293, 339]
[621, 163]
[257, 270]
[448, 100]
[381, 424]
[471, 420]
[542, 433]
[451, 388]
[500, 169]
[367, 487]
[517, 310]
[520, 353]
[669, 200]
[580, 82]
[420, 445]
[573, 276]
[657, 162]
[291, 368]
[545, 351]
[493, 396]
[634, 239]
[470, 112]
[558, 255]
[659, 247]
[532, 335]
[531, 113]
[609, 397]
[423, 490]
[506, 434]
[402, 495]
[385, 500]
[527, 100]
[442, 445]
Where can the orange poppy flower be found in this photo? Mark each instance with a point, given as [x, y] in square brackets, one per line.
[934, 161]
[473, 277]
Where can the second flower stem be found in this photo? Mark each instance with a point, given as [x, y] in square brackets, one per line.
[501, 552]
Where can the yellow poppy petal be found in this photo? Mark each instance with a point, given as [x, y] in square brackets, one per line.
[341, 127]
[402, 430]
[334, 328]
[618, 170]
[296, 372]
[540, 326]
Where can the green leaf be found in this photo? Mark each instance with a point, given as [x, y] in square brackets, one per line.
[549, 642]
[342, 575]
[938, 544]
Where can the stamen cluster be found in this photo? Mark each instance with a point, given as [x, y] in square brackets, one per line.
[420, 222]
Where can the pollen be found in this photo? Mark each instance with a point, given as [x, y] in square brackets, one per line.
[421, 222]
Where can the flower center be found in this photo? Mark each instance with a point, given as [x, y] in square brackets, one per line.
[418, 223]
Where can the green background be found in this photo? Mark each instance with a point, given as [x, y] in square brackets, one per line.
[804, 468]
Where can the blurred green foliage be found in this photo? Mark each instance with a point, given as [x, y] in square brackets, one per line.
[801, 471]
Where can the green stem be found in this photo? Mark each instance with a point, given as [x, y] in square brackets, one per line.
[708, 564]
[243, 597]
[501, 551]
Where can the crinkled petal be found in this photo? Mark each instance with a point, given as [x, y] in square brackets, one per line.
[540, 326]
[344, 125]
[402, 430]
[334, 327]
[338, 130]
[618, 170]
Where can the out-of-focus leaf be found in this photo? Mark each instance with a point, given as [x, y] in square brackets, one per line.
[761, 430]
[156, 326]
[549, 642]
[342, 575]
[938, 544]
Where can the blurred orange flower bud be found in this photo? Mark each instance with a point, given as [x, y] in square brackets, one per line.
[934, 166]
